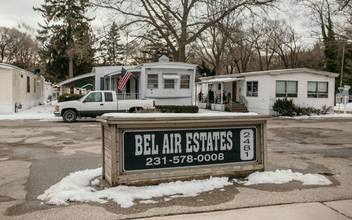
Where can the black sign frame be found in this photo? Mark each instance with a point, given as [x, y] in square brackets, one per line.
[239, 149]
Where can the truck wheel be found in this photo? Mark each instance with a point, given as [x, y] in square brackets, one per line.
[69, 116]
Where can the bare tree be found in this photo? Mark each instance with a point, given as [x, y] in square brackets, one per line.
[261, 35]
[190, 16]
[18, 48]
[288, 45]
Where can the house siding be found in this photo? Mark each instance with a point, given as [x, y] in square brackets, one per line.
[13, 88]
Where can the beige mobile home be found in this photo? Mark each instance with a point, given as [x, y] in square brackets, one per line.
[19, 87]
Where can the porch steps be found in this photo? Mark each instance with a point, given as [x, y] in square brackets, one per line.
[235, 107]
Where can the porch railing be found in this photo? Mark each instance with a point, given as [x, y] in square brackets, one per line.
[127, 96]
[243, 100]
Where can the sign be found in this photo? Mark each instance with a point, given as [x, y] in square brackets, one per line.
[160, 149]
[341, 89]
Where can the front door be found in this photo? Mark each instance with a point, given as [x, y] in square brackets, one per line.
[234, 83]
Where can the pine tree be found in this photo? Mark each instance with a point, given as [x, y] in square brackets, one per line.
[347, 66]
[110, 47]
[66, 38]
[331, 49]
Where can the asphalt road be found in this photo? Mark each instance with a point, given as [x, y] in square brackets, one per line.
[37, 154]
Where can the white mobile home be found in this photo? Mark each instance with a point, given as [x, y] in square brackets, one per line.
[259, 90]
[168, 83]
[19, 86]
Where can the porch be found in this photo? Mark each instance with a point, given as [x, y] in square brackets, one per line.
[213, 95]
[131, 90]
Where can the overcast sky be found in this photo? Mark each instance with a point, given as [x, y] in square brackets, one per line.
[13, 12]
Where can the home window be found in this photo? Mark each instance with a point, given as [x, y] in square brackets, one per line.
[34, 85]
[252, 89]
[185, 81]
[107, 84]
[286, 88]
[152, 81]
[169, 84]
[28, 84]
[317, 89]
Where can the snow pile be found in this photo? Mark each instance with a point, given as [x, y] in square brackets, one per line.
[75, 188]
[284, 176]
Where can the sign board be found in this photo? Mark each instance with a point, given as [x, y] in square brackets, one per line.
[341, 89]
[164, 149]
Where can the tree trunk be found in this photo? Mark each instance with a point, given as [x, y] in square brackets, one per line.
[70, 66]
[182, 54]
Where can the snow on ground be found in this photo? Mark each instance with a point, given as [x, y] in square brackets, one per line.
[44, 112]
[284, 176]
[342, 107]
[78, 186]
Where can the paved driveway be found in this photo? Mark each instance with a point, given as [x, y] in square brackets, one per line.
[37, 154]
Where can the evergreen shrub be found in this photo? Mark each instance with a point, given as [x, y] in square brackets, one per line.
[177, 108]
[68, 97]
[286, 107]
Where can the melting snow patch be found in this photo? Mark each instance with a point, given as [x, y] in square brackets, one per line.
[75, 188]
[284, 176]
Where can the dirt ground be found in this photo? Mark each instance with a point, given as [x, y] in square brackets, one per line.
[35, 155]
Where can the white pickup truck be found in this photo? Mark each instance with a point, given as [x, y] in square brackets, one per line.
[97, 103]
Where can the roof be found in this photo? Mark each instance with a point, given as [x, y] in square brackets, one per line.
[223, 80]
[76, 79]
[167, 65]
[9, 66]
[272, 72]
[109, 69]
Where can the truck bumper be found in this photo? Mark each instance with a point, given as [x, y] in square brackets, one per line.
[57, 114]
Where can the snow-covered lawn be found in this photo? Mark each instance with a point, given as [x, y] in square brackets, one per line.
[79, 186]
[43, 112]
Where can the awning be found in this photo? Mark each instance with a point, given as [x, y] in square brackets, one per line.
[76, 79]
[171, 76]
[220, 80]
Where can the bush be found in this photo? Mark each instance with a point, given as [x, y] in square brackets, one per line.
[284, 107]
[326, 109]
[68, 97]
[177, 108]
